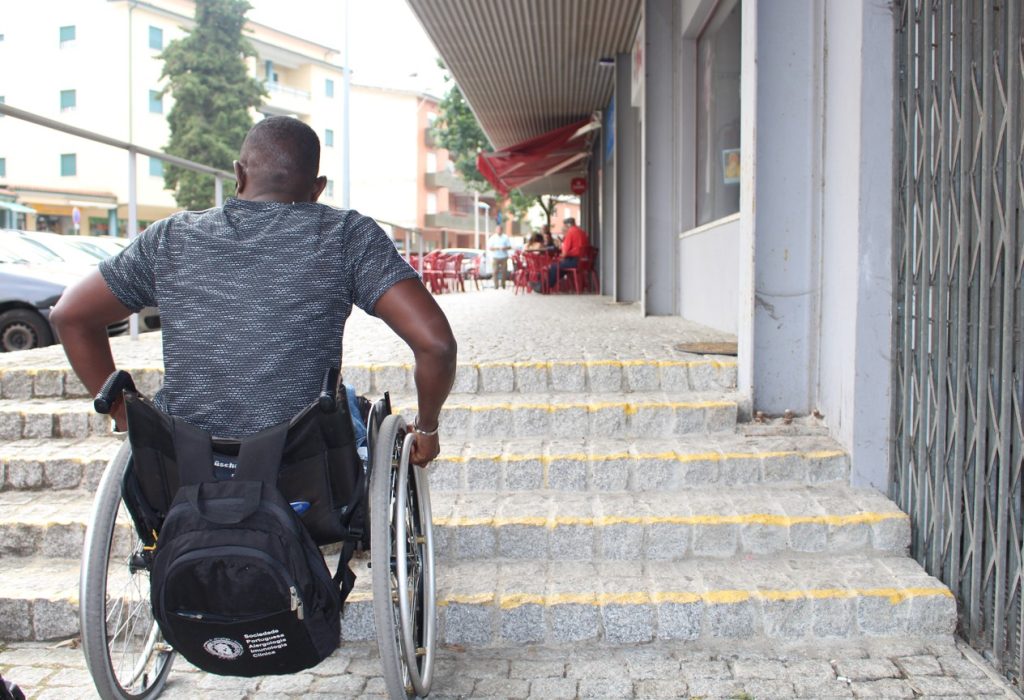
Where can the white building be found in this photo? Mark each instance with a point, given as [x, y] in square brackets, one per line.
[95, 64]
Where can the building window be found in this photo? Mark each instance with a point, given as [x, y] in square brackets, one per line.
[329, 87]
[156, 102]
[156, 38]
[269, 70]
[67, 35]
[3, 167]
[431, 162]
[431, 203]
[718, 115]
[156, 167]
[329, 138]
[68, 100]
[330, 188]
[3, 100]
[68, 164]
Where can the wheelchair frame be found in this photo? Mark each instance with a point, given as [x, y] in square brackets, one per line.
[124, 649]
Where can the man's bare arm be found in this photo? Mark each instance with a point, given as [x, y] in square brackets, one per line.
[81, 318]
[410, 311]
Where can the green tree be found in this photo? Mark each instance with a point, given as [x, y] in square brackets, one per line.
[213, 95]
[457, 130]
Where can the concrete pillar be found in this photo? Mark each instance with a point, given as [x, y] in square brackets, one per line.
[660, 237]
[606, 155]
[786, 135]
[856, 278]
[627, 159]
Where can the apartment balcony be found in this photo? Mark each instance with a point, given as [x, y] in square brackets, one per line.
[286, 100]
[446, 179]
[463, 223]
[428, 138]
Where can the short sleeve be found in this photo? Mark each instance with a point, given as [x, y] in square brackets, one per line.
[131, 273]
[378, 266]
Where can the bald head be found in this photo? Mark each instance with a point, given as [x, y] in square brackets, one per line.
[280, 159]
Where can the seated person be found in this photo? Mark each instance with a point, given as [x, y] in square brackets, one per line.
[254, 296]
[536, 243]
[574, 246]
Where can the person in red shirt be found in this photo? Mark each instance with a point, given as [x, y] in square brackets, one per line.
[574, 246]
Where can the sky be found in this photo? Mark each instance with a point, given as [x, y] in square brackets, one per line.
[388, 46]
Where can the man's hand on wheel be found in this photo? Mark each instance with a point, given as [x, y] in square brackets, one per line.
[424, 449]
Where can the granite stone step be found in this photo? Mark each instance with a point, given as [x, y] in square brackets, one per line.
[694, 373]
[506, 416]
[565, 464]
[716, 522]
[464, 416]
[501, 603]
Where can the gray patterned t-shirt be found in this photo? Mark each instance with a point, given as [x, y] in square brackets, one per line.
[253, 301]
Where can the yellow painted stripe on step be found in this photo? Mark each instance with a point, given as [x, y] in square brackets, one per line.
[895, 596]
[772, 519]
[628, 408]
[668, 456]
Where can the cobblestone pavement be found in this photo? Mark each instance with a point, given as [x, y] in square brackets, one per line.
[907, 668]
[589, 327]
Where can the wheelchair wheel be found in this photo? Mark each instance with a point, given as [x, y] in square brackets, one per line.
[402, 564]
[124, 649]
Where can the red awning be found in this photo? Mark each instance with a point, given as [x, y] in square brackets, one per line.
[538, 157]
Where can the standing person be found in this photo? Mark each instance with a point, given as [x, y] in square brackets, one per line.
[574, 246]
[254, 296]
[499, 244]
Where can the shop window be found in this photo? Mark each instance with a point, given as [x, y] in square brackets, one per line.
[68, 100]
[156, 167]
[329, 138]
[718, 115]
[156, 38]
[68, 164]
[67, 35]
[156, 102]
[329, 87]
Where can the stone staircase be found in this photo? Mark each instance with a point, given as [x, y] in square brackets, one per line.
[594, 500]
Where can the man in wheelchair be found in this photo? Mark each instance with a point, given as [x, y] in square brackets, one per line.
[253, 299]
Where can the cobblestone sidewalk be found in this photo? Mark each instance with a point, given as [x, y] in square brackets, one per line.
[914, 668]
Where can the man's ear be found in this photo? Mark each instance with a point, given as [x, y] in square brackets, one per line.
[318, 188]
[239, 178]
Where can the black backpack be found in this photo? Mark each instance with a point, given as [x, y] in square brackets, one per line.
[238, 586]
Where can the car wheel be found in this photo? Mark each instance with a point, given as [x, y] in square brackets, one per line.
[21, 329]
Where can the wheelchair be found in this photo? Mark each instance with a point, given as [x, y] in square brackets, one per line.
[125, 651]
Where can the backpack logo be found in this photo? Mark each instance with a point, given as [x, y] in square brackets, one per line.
[223, 648]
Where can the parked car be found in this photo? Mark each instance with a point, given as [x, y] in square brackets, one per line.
[32, 279]
[87, 252]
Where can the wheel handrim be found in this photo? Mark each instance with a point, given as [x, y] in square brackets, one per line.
[413, 579]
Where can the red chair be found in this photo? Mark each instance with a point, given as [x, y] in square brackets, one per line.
[537, 265]
[452, 274]
[473, 273]
[432, 272]
[583, 277]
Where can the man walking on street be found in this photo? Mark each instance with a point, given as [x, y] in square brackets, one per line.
[499, 244]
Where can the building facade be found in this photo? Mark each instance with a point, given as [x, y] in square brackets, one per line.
[96, 65]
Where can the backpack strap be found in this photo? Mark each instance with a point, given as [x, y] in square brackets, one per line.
[344, 577]
[259, 457]
[192, 452]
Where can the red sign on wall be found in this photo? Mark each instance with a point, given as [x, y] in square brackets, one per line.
[578, 185]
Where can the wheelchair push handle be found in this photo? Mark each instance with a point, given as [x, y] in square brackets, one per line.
[328, 400]
[116, 383]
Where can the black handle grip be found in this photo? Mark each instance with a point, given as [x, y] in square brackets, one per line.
[329, 391]
[116, 383]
